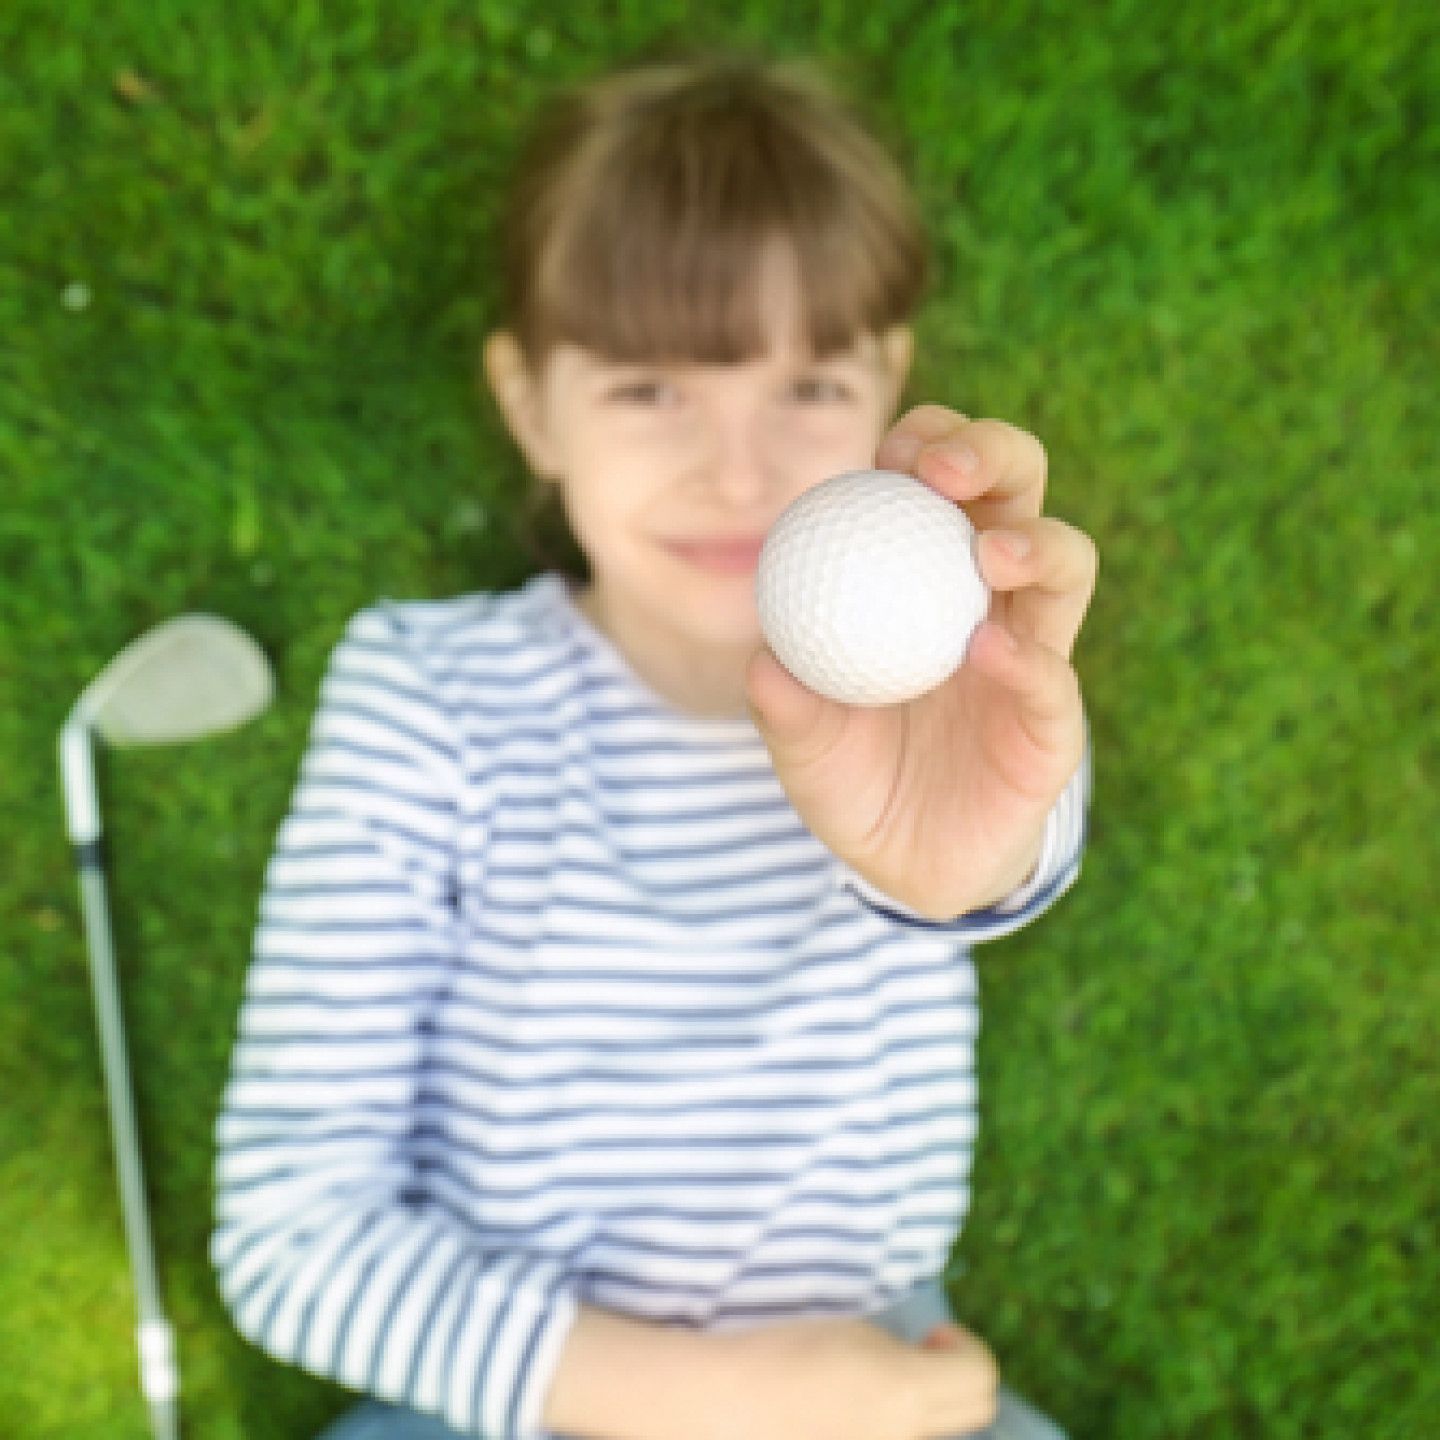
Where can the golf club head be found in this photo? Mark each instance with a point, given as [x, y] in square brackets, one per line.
[185, 678]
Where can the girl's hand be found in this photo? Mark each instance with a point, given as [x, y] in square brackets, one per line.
[941, 802]
[853, 1380]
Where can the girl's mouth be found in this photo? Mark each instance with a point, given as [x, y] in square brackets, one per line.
[719, 557]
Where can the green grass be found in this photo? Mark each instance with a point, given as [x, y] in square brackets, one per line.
[1192, 250]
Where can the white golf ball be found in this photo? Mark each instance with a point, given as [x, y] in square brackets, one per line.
[867, 587]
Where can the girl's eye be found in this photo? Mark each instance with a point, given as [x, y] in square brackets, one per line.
[828, 389]
[643, 392]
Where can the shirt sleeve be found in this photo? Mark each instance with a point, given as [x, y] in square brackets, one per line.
[329, 1252]
[1056, 870]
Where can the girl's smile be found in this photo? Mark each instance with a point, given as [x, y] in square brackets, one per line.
[721, 556]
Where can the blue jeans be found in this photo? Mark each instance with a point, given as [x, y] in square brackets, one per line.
[912, 1318]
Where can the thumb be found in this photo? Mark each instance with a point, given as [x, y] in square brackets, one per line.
[962, 1380]
[942, 1337]
[783, 709]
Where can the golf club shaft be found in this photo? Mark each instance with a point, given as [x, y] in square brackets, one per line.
[158, 1375]
[191, 676]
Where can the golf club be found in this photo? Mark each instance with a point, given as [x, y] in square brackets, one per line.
[186, 678]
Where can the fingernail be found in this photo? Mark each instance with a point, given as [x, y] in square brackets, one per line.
[960, 461]
[964, 459]
[1014, 544]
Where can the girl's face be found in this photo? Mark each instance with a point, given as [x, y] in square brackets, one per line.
[671, 476]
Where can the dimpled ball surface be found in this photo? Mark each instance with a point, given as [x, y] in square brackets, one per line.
[867, 587]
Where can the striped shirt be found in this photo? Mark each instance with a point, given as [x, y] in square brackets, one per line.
[555, 1000]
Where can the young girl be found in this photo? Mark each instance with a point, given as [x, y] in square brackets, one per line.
[606, 1061]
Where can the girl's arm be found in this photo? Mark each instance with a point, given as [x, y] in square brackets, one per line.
[329, 1255]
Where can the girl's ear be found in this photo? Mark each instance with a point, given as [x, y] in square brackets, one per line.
[518, 397]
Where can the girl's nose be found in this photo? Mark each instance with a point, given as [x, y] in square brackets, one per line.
[740, 486]
[741, 470]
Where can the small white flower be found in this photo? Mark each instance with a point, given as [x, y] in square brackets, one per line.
[468, 517]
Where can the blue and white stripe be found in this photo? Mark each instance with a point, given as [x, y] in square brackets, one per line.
[555, 1002]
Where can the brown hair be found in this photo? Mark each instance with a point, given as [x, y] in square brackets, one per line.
[641, 201]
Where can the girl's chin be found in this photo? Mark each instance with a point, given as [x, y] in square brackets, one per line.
[732, 627]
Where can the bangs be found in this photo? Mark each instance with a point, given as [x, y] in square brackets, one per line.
[659, 256]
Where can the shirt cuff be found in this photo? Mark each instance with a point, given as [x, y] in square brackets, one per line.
[885, 904]
[553, 1330]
